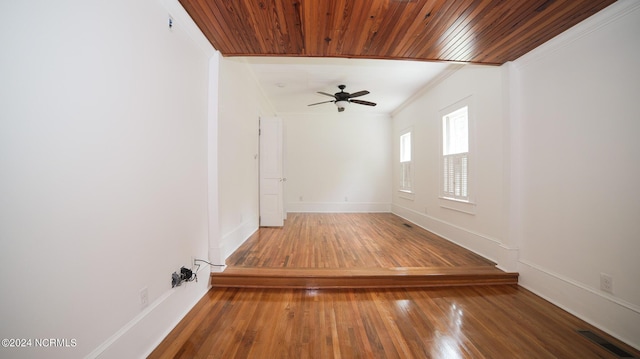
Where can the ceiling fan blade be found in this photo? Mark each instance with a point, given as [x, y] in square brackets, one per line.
[360, 102]
[317, 103]
[324, 93]
[359, 93]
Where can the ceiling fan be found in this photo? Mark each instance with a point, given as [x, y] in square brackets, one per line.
[341, 99]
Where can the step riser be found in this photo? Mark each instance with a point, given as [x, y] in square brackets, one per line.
[352, 283]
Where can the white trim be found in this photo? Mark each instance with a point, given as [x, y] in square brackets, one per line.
[486, 246]
[406, 131]
[250, 70]
[233, 239]
[613, 315]
[406, 194]
[570, 281]
[338, 207]
[508, 258]
[155, 322]
[469, 102]
[132, 323]
[450, 70]
[457, 205]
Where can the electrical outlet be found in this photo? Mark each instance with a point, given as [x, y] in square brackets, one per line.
[606, 283]
[144, 298]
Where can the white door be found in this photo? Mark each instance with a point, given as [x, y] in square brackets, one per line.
[271, 180]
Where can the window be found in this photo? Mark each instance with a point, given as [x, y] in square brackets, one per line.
[405, 162]
[455, 154]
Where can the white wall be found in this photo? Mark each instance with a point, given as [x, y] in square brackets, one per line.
[337, 162]
[556, 195]
[103, 180]
[479, 226]
[577, 109]
[241, 103]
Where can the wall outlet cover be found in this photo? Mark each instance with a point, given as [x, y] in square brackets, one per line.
[606, 283]
[144, 298]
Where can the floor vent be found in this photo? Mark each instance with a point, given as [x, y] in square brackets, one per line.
[605, 344]
[407, 225]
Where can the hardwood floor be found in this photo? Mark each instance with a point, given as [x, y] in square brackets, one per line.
[350, 240]
[448, 323]
[497, 321]
[354, 250]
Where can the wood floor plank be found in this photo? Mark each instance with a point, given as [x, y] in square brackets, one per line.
[461, 322]
[354, 250]
[350, 240]
[492, 321]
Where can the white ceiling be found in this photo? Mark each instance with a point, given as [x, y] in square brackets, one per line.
[291, 84]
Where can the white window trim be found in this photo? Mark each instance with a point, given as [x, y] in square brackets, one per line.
[407, 193]
[464, 206]
[457, 205]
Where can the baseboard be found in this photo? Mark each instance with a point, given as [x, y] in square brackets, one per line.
[617, 317]
[338, 207]
[483, 245]
[232, 240]
[139, 337]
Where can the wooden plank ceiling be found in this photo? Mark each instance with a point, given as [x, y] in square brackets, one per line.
[475, 31]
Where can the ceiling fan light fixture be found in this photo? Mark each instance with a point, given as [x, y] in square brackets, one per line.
[341, 104]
